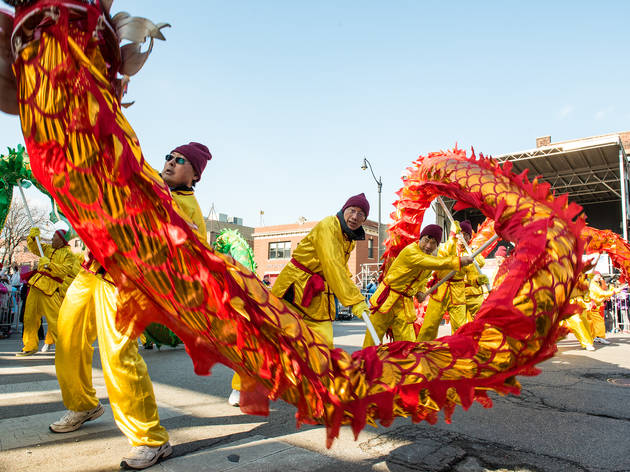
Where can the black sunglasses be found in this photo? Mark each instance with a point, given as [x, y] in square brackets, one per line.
[178, 160]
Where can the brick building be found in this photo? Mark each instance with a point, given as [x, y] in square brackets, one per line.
[22, 256]
[273, 246]
[214, 227]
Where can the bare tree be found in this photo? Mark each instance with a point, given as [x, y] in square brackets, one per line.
[17, 227]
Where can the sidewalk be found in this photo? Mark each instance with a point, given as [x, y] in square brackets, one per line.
[571, 417]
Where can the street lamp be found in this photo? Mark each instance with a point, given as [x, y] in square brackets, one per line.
[379, 184]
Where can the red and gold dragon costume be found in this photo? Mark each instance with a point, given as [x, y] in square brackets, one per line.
[86, 154]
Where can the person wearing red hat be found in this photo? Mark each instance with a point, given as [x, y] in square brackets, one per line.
[45, 297]
[89, 313]
[392, 303]
[182, 170]
[318, 271]
[451, 295]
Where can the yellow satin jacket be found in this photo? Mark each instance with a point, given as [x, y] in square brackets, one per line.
[597, 294]
[408, 275]
[188, 204]
[324, 252]
[50, 279]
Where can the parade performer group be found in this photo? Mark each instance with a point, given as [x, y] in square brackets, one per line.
[150, 265]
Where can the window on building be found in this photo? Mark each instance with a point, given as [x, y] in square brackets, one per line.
[280, 250]
[370, 248]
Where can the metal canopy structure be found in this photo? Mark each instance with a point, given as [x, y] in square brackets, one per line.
[590, 170]
[586, 169]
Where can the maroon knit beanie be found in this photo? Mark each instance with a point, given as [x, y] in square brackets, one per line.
[197, 154]
[466, 227]
[358, 201]
[434, 231]
[63, 233]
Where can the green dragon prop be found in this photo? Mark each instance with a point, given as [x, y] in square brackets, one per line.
[15, 171]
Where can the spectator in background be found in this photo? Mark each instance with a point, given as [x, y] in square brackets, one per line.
[371, 288]
[266, 281]
[16, 281]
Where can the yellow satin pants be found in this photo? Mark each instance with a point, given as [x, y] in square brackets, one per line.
[324, 329]
[473, 303]
[578, 325]
[596, 323]
[88, 312]
[39, 304]
[433, 316]
[401, 329]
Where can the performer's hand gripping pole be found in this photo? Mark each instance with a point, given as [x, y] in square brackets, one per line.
[448, 276]
[370, 327]
[461, 237]
[30, 217]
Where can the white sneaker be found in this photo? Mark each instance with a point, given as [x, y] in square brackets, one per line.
[48, 347]
[235, 398]
[602, 341]
[141, 457]
[73, 420]
[590, 347]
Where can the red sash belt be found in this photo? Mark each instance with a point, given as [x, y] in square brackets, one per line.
[314, 285]
[384, 294]
[50, 276]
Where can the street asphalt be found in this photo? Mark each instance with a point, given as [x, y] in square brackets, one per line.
[572, 417]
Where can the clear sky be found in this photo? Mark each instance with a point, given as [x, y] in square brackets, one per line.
[291, 95]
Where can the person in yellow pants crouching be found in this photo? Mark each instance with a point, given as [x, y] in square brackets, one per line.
[45, 297]
[392, 303]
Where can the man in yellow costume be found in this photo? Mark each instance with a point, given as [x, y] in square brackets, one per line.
[392, 303]
[579, 326]
[89, 312]
[318, 271]
[45, 297]
[450, 296]
[598, 295]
